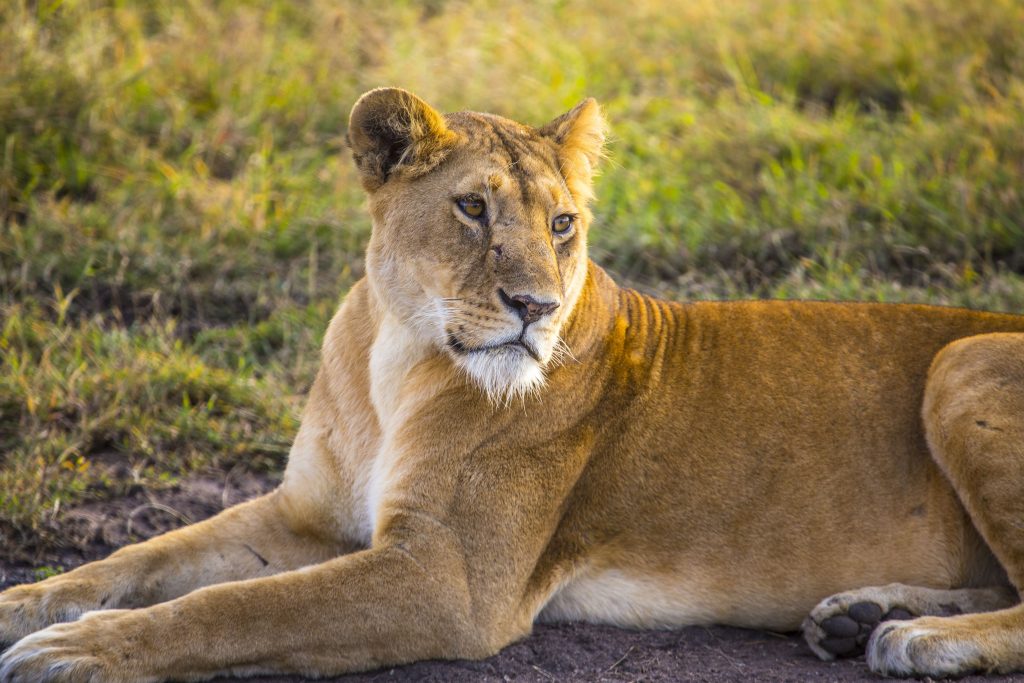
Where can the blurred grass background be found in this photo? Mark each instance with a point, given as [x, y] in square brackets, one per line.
[178, 216]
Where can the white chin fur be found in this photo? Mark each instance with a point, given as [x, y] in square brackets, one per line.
[504, 374]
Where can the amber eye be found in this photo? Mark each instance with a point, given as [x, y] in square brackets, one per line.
[472, 206]
[563, 224]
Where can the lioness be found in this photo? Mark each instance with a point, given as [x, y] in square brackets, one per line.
[500, 434]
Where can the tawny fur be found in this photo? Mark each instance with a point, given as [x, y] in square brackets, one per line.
[620, 459]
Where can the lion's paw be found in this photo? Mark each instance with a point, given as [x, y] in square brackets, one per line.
[921, 648]
[84, 651]
[29, 608]
[48, 655]
[840, 625]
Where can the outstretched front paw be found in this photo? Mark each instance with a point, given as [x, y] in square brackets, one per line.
[94, 648]
[29, 608]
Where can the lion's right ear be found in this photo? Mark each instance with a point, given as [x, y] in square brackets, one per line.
[580, 135]
[391, 131]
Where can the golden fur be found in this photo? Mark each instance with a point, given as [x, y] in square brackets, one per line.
[500, 434]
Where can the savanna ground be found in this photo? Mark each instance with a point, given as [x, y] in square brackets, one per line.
[178, 220]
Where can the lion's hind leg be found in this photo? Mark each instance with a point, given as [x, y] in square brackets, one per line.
[974, 422]
[840, 625]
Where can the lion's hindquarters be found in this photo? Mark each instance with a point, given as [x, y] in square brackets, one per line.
[974, 422]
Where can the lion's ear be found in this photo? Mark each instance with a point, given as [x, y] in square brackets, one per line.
[392, 131]
[579, 134]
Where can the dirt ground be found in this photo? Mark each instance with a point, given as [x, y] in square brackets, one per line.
[564, 652]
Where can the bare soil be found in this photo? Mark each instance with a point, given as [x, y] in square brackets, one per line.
[563, 652]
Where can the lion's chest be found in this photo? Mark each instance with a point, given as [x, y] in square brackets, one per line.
[393, 355]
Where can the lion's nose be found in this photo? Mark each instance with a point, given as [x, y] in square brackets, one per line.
[528, 308]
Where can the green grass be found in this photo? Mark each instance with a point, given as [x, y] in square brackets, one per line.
[178, 217]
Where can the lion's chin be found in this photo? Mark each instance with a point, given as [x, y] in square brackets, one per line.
[504, 373]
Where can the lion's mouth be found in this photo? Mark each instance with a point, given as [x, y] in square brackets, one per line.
[518, 345]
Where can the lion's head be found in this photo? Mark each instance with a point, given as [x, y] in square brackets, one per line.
[479, 228]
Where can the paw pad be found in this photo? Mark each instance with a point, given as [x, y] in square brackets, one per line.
[846, 634]
[865, 612]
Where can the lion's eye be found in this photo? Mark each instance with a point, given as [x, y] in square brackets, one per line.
[563, 224]
[472, 206]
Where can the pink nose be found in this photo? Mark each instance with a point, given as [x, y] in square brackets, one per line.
[528, 308]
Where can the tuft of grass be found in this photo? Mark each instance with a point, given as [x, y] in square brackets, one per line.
[178, 216]
[137, 402]
[46, 571]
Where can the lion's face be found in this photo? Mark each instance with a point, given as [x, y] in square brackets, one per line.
[479, 241]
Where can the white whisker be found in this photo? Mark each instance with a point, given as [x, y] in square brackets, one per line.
[561, 352]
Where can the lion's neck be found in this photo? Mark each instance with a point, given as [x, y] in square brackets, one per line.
[395, 351]
[593, 315]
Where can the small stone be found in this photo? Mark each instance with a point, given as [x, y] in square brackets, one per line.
[840, 627]
[897, 613]
[865, 612]
[839, 646]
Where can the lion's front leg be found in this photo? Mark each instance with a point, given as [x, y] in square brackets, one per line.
[249, 540]
[378, 607]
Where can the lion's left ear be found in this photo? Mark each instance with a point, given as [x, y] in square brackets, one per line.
[391, 132]
[580, 135]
